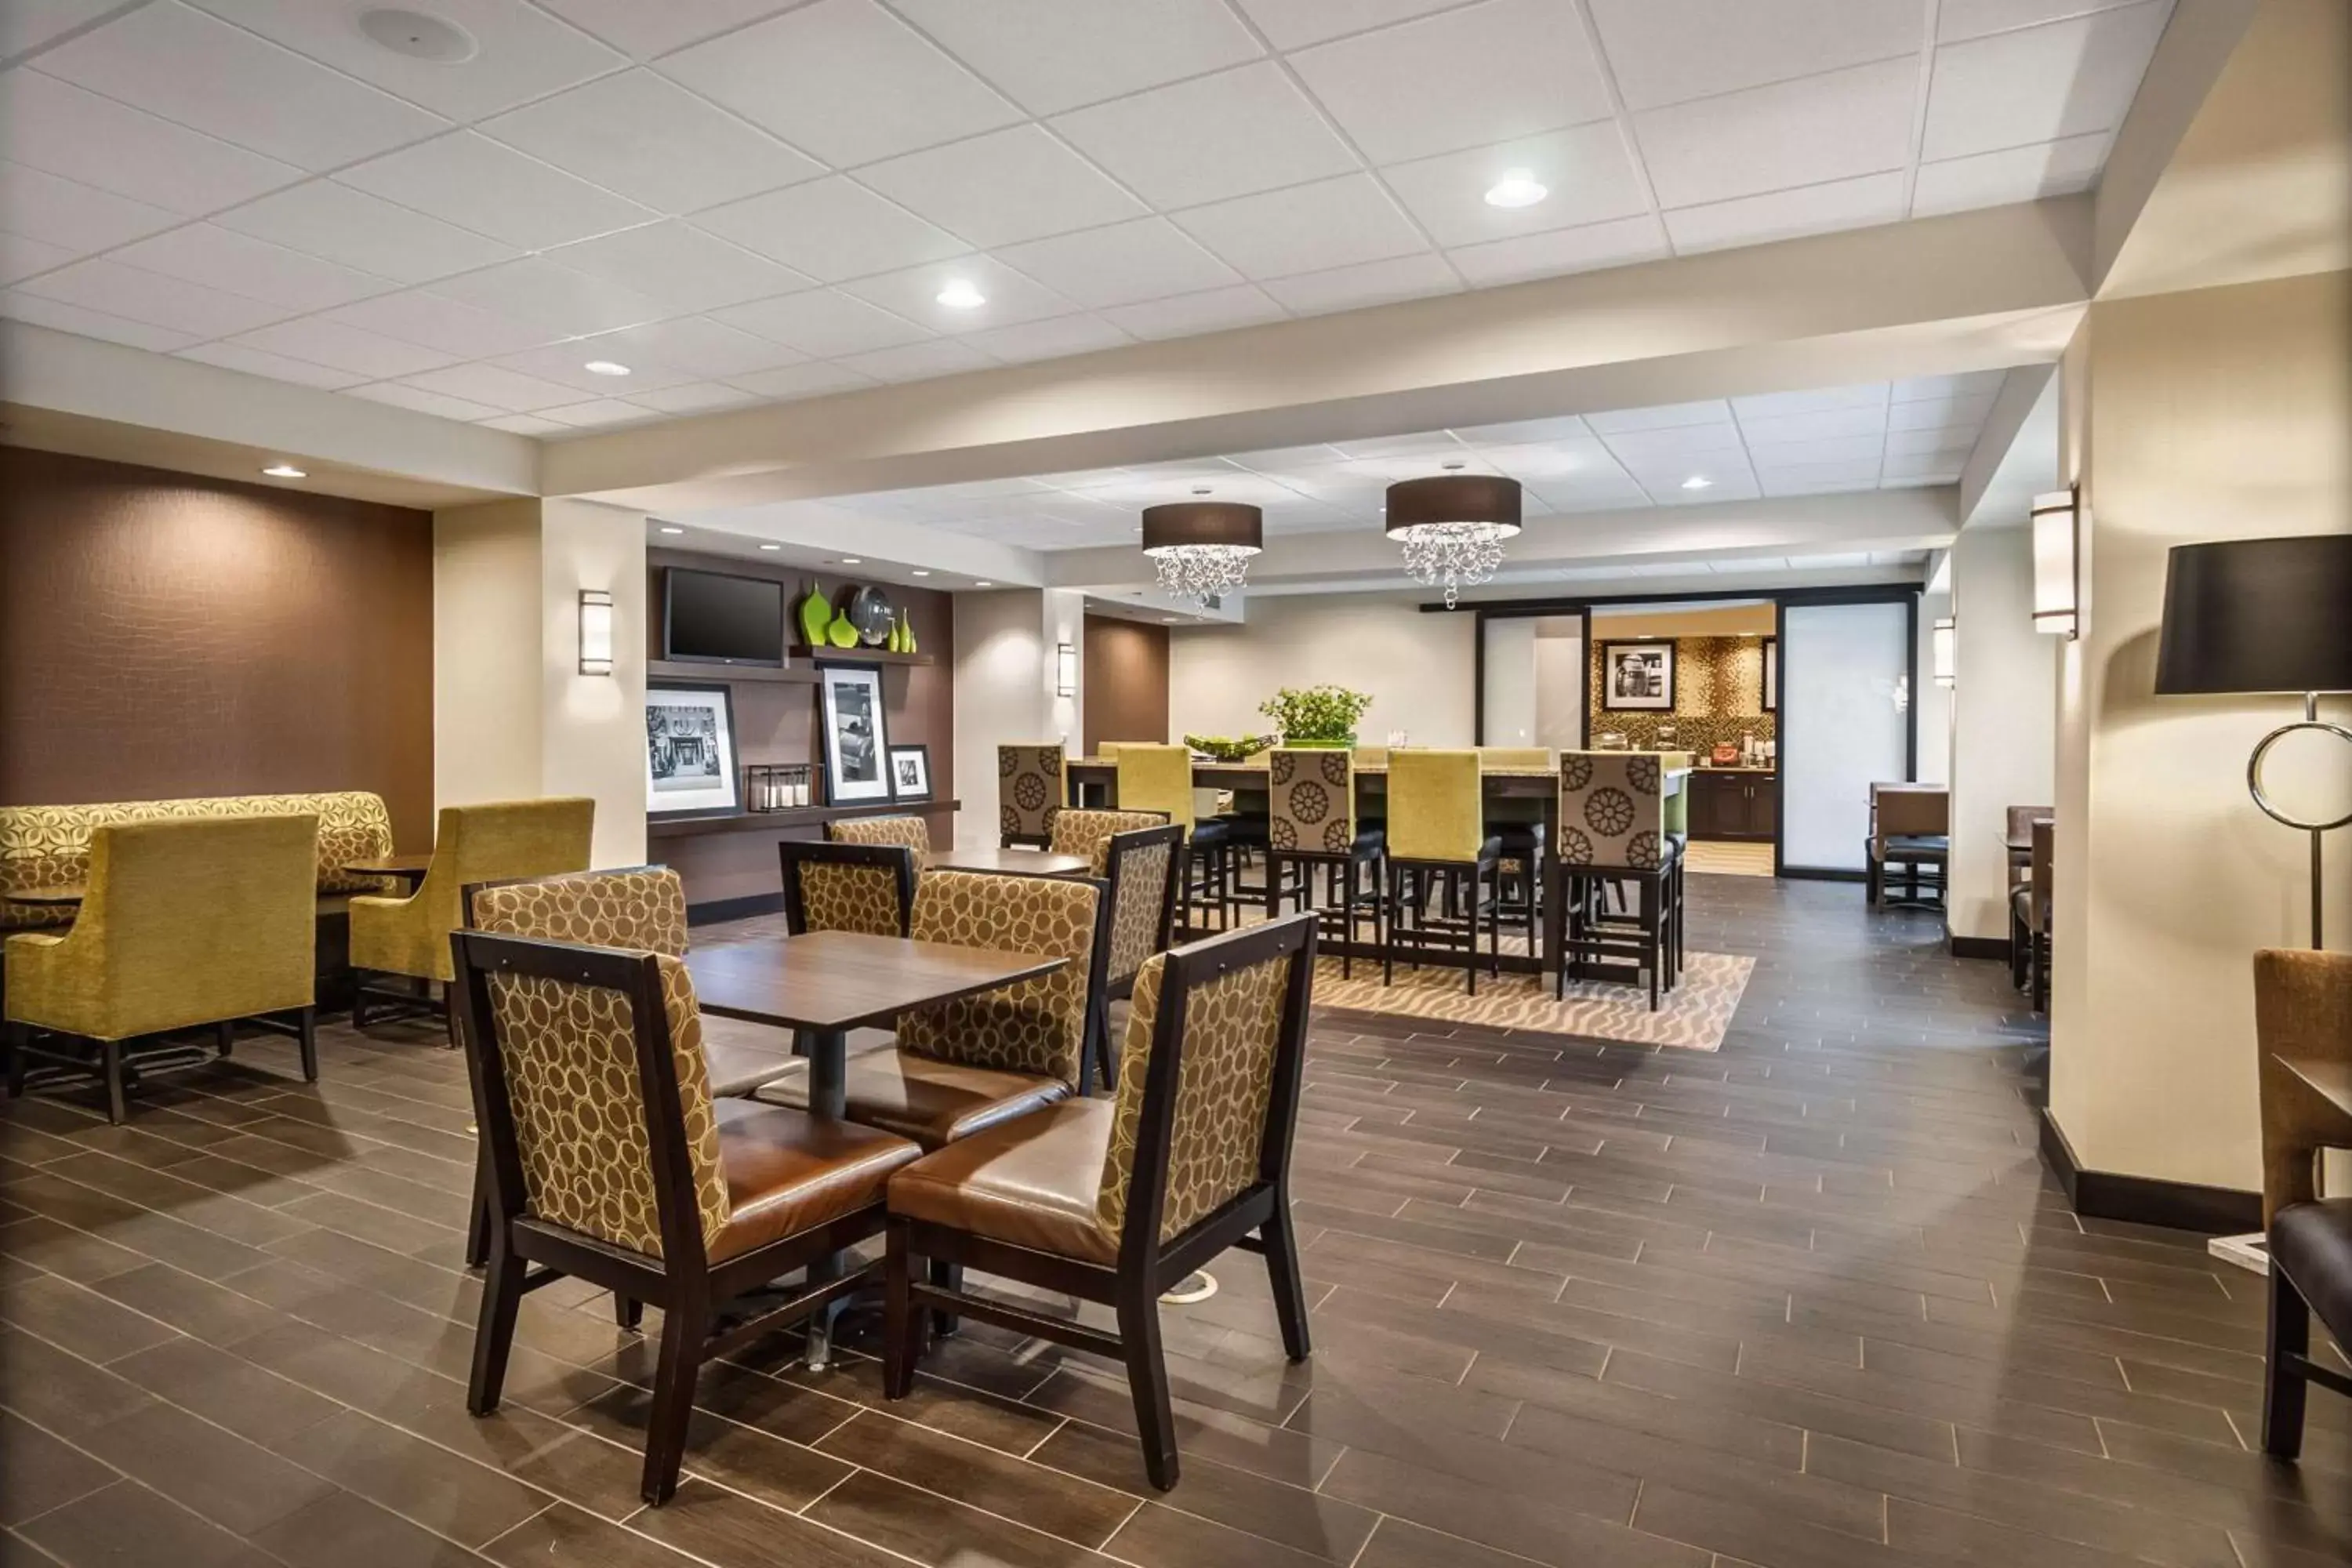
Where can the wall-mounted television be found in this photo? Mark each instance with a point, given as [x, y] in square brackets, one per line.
[716, 617]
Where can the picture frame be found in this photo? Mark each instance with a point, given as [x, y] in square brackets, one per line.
[1638, 677]
[1771, 675]
[910, 772]
[690, 749]
[855, 733]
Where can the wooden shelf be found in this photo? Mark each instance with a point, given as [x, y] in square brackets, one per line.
[795, 816]
[801, 671]
[863, 656]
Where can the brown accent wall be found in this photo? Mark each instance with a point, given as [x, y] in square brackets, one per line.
[164, 635]
[1718, 696]
[1125, 681]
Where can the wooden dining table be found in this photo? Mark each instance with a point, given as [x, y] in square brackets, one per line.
[407, 869]
[1008, 860]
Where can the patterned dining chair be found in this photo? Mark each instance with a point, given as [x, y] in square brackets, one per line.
[912, 832]
[1090, 833]
[1613, 828]
[1140, 870]
[1115, 1201]
[1029, 789]
[828, 885]
[1311, 826]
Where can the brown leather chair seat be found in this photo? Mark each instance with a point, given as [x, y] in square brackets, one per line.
[931, 1101]
[1029, 1183]
[2311, 1244]
[787, 1172]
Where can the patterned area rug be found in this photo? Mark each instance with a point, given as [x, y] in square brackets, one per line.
[1693, 1016]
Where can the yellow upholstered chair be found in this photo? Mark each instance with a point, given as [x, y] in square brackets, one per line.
[1030, 788]
[1612, 829]
[1159, 778]
[1090, 833]
[1438, 843]
[1372, 756]
[911, 831]
[183, 921]
[408, 939]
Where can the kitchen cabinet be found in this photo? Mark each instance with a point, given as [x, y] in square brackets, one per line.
[1735, 803]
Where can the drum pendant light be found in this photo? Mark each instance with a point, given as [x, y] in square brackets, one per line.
[1452, 527]
[1201, 549]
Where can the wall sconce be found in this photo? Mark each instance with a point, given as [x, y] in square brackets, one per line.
[2057, 562]
[595, 632]
[1065, 670]
[1943, 647]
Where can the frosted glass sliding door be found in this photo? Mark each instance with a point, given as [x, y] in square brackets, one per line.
[1845, 725]
[1509, 718]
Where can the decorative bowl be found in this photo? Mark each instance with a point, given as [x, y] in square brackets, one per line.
[1226, 749]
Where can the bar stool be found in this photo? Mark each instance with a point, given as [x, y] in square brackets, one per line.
[1518, 885]
[1159, 778]
[1311, 825]
[1613, 828]
[1437, 840]
[1029, 789]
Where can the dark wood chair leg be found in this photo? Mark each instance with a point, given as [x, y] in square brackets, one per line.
[1282, 1274]
[673, 1402]
[494, 1331]
[1147, 1381]
[1389, 911]
[628, 1312]
[225, 1036]
[19, 1037]
[478, 1231]
[898, 1318]
[306, 1040]
[947, 1276]
[116, 1111]
[359, 998]
[2284, 1386]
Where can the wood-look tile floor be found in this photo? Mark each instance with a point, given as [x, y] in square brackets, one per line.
[1805, 1303]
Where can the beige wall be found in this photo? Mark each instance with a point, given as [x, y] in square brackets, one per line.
[593, 727]
[2210, 415]
[1416, 667]
[2003, 717]
[1006, 689]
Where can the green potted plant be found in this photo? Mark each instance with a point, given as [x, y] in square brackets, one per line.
[1317, 716]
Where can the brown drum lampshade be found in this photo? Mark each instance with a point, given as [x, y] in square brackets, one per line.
[1487, 498]
[2257, 615]
[1180, 524]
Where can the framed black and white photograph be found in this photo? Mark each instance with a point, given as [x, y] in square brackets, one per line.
[689, 750]
[856, 742]
[1637, 676]
[910, 772]
[1771, 675]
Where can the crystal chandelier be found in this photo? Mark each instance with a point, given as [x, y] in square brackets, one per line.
[1452, 527]
[1201, 550]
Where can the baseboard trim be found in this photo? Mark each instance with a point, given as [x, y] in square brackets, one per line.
[2146, 1200]
[1995, 947]
[1820, 874]
[719, 909]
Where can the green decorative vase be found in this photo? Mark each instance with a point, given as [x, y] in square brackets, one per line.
[1329, 744]
[816, 615]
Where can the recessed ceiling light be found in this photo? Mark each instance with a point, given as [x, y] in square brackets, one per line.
[672, 528]
[285, 471]
[1170, 619]
[983, 583]
[1516, 189]
[419, 37]
[771, 547]
[922, 571]
[605, 367]
[1696, 482]
[851, 561]
[961, 295]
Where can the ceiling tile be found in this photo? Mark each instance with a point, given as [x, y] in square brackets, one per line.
[693, 343]
[1054, 339]
[1920, 388]
[918, 362]
[1333, 223]
[423, 402]
[679, 268]
[802, 381]
[369, 355]
[1224, 135]
[1845, 451]
[1636, 448]
[1821, 425]
[2042, 84]
[1294, 24]
[821, 322]
[693, 397]
[844, 81]
[21, 258]
[1008, 297]
[1587, 171]
[1787, 214]
[198, 70]
[644, 136]
[832, 229]
[28, 24]
[1830, 127]
[54, 125]
[437, 322]
[503, 389]
[522, 53]
[1367, 283]
[1664, 416]
[325, 220]
[1518, 432]
[1581, 457]
[1924, 413]
[597, 413]
[1182, 315]
[1812, 400]
[1560, 251]
[17, 305]
[2012, 174]
[69, 215]
[642, 30]
[1958, 19]
[524, 425]
[1932, 438]
[1614, 493]
[139, 295]
[277, 367]
[239, 264]
[1932, 468]
[1003, 187]
[1468, 77]
[1119, 265]
[1052, 54]
[472, 180]
[539, 292]
[1728, 476]
[566, 363]
[1666, 51]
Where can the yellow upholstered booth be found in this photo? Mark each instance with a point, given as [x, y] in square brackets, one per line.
[186, 921]
[494, 842]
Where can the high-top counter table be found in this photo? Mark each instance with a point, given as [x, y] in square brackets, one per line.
[1094, 781]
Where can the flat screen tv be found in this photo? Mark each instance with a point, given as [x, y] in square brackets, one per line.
[714, 617]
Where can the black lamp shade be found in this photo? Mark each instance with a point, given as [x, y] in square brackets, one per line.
[1204, 522]
[2257, 615]
[1454, 498]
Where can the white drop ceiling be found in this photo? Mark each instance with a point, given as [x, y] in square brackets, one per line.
[750, 200]
[1882, 436]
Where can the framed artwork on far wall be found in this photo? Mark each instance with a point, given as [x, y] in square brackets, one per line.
[856, 741]
[910, 772]
[689, 750]
[1771, 675]
[1637, 676]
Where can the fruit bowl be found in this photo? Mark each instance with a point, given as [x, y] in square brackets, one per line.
[1226, 749]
